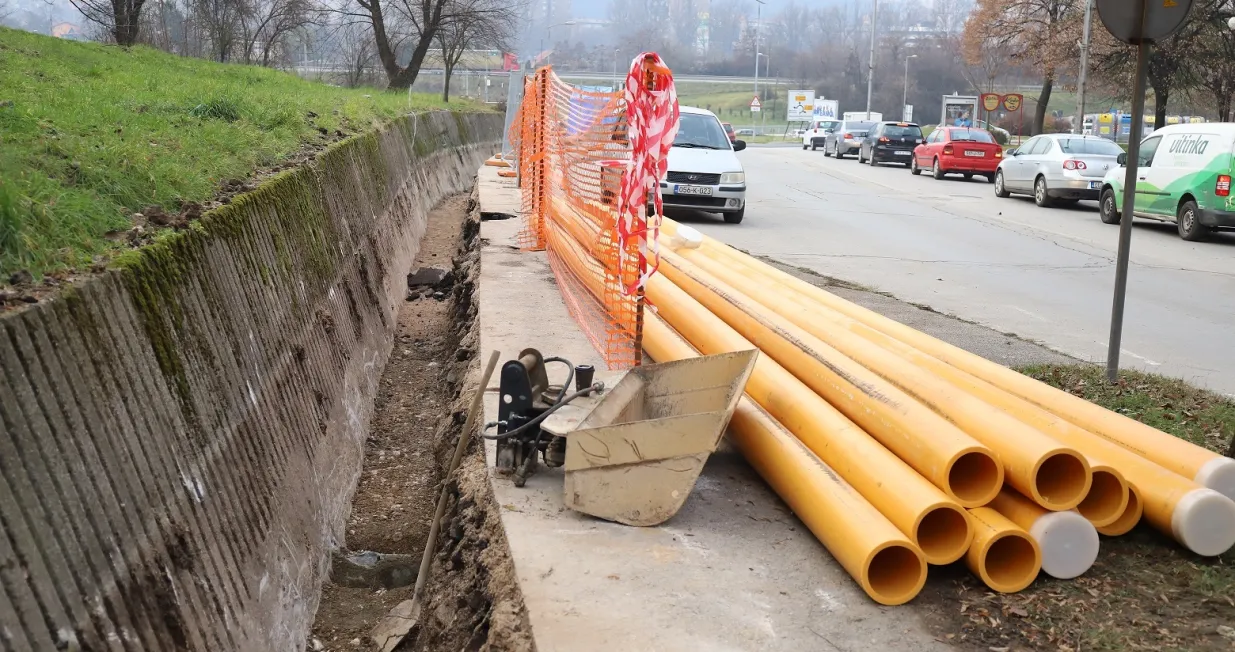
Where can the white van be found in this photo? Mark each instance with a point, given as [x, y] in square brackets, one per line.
[1184, 177]
[818, 131]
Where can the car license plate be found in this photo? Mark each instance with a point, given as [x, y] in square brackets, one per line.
[704, 191]
[975, 153]
[1094, 185]
[903, 153]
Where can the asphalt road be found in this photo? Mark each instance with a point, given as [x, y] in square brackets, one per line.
[1043, 274]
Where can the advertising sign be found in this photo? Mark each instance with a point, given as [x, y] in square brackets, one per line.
[801, 106]
[959, 110]
[1012, 102]
[827, 109]
[990, 101]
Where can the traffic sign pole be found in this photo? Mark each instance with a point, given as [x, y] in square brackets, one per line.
[1137, 23]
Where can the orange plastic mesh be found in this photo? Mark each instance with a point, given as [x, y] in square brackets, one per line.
[572, 145]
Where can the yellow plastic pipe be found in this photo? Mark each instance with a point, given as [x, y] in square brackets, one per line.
[931, 520]
[1206, 468]
[1054, 475]
[1108, 493]
[878, 556]
[1003, 555]
[1067, 541]
[1128, 520]
[1199, 518]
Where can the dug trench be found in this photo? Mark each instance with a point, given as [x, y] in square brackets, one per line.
[471, 600]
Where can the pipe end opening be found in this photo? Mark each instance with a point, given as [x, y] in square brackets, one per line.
[1011, 562]
[1204, 522]
[1127, 520]
[1218, 474]
[896, 574]
[1106, 500]
[975, 478]
[1062, 480]
[1068, 543]
[943, 535]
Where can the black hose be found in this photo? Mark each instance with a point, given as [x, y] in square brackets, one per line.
[596, 387]
[569, 377]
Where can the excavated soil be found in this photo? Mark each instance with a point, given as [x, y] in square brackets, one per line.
[472, 599]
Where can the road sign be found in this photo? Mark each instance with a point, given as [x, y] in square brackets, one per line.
[990, 101]
[1162, 17]
[907, 113]
[756, 105]
[801, 106]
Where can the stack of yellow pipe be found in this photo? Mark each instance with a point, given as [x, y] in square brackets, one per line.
[898, 450]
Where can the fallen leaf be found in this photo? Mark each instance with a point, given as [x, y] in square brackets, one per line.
[1093, 592]
[998, 649]
[994, 622]
[964, 607]
[1228, 632]
[613, 577]
[1018, 611]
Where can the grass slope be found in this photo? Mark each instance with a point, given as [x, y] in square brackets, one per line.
[90, 134]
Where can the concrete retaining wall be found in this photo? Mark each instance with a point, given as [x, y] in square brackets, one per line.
[180, 438]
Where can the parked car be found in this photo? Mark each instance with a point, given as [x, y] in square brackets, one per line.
[958, 150]
[704, 174]
[1184, 177]
[816, 135]
[890, 142]
[846, 138]
[746, 132]
[1057, 167]
[729, 131]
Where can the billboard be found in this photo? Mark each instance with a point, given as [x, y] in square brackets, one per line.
[801, 106]
[827, 109]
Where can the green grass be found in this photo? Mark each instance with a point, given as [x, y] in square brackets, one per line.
[90, 134]
[1173, 406]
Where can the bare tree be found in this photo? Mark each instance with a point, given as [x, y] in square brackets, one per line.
[121, 19]
[354, 48]
[266, 23]
[985, 62]
[1035, 32]
[396, 22]
[487, 24]
[1218, 77]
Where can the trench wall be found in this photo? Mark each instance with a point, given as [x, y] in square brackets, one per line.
[180, 437]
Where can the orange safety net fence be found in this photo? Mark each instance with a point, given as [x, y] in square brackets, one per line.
[573, 152]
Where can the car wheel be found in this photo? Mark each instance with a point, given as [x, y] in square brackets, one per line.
[872, 160]
[990, 178]
[1190, 227]
[1108, 208]
[812, 145]
[861, 159]
[1001, 191]
[913, 166]
[1040, 196]
[968, 176]
[936, 170]
[837, 152]
[734, 217]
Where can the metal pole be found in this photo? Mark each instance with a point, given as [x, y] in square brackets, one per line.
[1129, 203]
[1079, 125]
[758, 22]
[870, 73]
[905, 95]
[616, 53]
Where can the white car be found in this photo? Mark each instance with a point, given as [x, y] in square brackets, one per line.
[704, 173]
[815, 136]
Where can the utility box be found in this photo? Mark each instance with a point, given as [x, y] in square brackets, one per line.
[959, 111]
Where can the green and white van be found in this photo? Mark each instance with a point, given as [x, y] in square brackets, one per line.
[1184, 177]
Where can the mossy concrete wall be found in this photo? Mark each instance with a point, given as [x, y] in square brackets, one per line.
[180, 437]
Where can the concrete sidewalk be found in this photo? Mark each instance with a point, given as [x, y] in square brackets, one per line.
[734, 570]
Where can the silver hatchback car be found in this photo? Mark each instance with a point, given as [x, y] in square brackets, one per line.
[1057, 168]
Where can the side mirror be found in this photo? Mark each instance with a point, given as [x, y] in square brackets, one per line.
[1122, 159]
[739, 145]
[1015, 152]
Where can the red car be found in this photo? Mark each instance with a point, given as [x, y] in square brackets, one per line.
[733, 137]
[958, 150]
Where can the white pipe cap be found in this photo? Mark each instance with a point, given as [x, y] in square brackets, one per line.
[1069, 543]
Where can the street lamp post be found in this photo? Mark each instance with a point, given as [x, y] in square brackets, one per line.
[1079, 127]
[617, 53]
[549, 33]
[758, 25]
[870, 73]
[905, 95]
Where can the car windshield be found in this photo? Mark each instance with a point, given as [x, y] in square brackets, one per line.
[973, 135]
[827, 124]
[700, 131]
[1098, 146]
[859, 126]
[902, 131]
